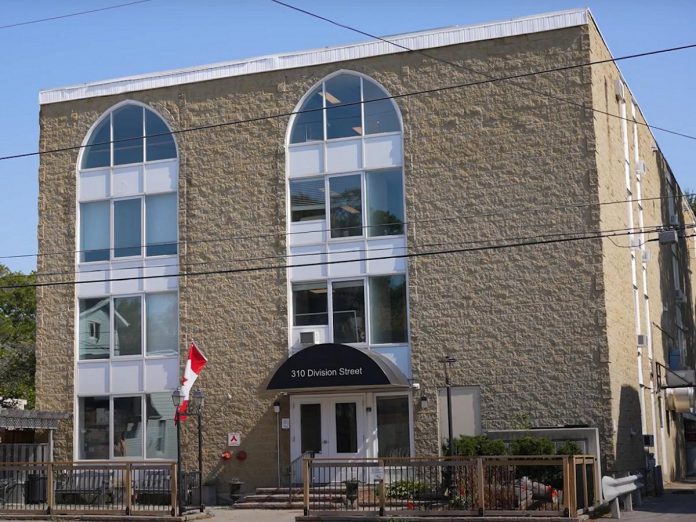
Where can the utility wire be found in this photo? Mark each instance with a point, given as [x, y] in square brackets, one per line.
[175, 263]
[326, 263]
[507, 211]
[69, 15]
[491, 78]
[256, 119]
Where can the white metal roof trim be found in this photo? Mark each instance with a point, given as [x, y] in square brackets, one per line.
[419, 40]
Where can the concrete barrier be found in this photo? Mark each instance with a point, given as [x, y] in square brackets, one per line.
[623, 488]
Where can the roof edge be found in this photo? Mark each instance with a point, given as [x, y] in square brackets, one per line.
[417, 40]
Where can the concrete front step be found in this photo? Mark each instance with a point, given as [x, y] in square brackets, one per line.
[268, 505]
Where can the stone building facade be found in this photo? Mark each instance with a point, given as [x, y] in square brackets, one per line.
[433, 213]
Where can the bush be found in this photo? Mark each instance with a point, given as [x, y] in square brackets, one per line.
[405, 489]
[529, 445]
[477, 446]
[569, 448]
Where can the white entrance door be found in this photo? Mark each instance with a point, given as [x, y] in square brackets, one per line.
[330, 426]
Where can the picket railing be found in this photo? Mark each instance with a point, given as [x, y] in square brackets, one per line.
[500, 485]
[128, 488]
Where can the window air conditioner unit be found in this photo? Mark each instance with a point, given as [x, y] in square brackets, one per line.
[640, 168]
[307, 338]
[642, 340]
[667, 237]
[619, 90]
[681, 378]
[679, 296]
[674, 220]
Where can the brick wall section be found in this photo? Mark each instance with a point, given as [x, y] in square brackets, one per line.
[486, 163]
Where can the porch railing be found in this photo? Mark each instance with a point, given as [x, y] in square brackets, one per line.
[500, 485]
[128, 488]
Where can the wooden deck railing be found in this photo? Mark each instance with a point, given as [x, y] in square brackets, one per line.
[128, 488]
[500, 485]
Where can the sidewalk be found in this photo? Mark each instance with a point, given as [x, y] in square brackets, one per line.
[678, 504]
[225, 514]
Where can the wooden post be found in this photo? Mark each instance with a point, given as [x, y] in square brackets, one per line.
[481, 484]
[584, 484]
[305, 485]
[50, 497]
[382, 500]
[129, 488]
[571, 489]
[565, 505]
[174, 473]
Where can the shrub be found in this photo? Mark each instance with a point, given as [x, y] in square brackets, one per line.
[529, 445]
[405, 489]
[569, 448]
[477, 446]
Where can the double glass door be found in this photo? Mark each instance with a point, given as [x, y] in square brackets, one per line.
[329, 426]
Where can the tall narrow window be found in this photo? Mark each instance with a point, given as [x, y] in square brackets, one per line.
[388, 315]
[128, 331]
[393, 427]
[94, 231]
[348, 301]
[94, 427]
[128, 134]
[380, 115]
[94, 337]
[346, 427]
[346, 206]
[162, 324]
[309, 124]
[160, 429]
[98, 150]
[159, 140]
[161, 224]
[127, 231]
[128, 427]
[342, 96]
[385, 203]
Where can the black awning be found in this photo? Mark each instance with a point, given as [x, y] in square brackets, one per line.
[335, 366]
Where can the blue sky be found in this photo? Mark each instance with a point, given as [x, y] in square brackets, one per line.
[167, 34]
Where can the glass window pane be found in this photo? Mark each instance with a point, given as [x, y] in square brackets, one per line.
[128, 427]
[310, 304]
[94, 427]
[98, 155]
[348, 299]
[128, 326]
[346, 427]
[380, 115]
[310, 427]
[393, 432]
[161, 224]
[127, 240]
[161, 431]
[158, 147]
[94, 231]
[95, 322]
[385, 203]
[309, 125]
[162, 325]
[128, 125]
[388, 317]
[346, 206]
[307, 200]
[343, 121]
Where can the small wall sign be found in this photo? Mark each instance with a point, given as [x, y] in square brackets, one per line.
[285, 423]
[234, 438]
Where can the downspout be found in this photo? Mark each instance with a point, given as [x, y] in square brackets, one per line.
[620, 93]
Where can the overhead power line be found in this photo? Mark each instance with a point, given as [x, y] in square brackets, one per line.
[453, 217]
[69, 15]
[407, 255]
[524, 87]
[227, 261]
[433, 90]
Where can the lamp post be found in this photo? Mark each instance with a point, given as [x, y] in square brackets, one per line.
[196, 405]
[177, 398]
[276, 409]
[448, 361]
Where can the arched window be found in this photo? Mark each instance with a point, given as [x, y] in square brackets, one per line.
[129, 134]
[344, 105]
[128, 176]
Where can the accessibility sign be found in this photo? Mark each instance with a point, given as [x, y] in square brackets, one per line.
[234, 438]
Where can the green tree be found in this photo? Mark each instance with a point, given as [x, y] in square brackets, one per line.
[691, 198]
[17, 338]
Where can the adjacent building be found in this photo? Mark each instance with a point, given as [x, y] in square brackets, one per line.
[328, 225]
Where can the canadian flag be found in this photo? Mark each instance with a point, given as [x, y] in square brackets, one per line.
[195, 363]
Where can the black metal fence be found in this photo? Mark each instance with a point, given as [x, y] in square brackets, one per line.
[24, 452]
[130, 488]
[552, 485]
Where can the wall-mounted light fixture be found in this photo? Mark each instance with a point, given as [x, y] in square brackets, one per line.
[276, 407]
[424, 402]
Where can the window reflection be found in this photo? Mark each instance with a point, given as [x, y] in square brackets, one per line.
[95, 321]
[348, 300]
[346, 206]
